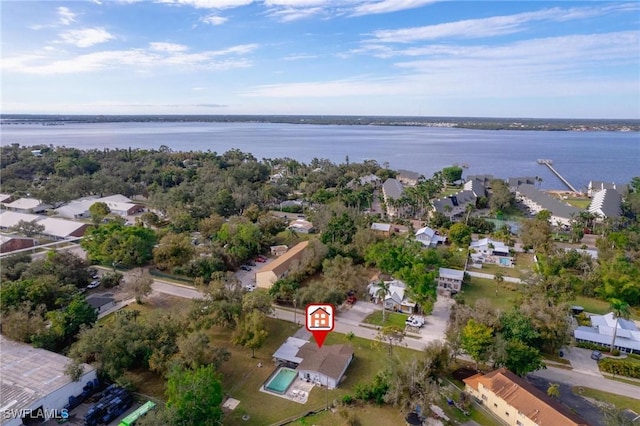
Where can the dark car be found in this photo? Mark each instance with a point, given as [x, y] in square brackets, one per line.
[245, 267]
[597, 355]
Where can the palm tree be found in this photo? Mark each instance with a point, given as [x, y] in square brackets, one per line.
[469, 208]
[381, 293]
[498, 278]
[620, 308]
[553, 390]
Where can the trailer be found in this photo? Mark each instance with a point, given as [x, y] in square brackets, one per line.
[139, 412]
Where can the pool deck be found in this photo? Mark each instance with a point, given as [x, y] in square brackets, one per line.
[298, 391]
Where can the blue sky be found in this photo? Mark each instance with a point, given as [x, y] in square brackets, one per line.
[344, 57]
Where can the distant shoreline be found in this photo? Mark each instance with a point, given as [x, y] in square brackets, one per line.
[477, 123]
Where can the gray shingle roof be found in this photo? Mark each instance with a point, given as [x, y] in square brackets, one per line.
[606, 203]
[392, 188]
[547, 202]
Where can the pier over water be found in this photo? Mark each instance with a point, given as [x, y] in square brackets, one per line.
[549, 164]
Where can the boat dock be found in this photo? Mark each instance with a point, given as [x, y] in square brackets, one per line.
[549, 164]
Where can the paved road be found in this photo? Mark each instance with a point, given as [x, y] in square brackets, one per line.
[491, 276]
[577, 378]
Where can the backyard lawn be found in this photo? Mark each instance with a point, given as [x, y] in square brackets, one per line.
[481, 288]
[598, 306]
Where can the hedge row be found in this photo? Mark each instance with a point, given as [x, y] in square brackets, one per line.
[621, 367]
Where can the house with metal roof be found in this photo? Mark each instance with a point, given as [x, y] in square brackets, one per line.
[602, 330]
[537, 201]
[392, 190]
[395, 299]
[27, 205]
[279, 268]
[606, 203]
[450, 280]
[597, 186]
[429, 237]
[517, 402]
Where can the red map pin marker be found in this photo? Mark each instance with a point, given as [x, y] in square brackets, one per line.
[320, 318]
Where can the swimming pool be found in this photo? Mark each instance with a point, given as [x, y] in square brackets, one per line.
[281, 381]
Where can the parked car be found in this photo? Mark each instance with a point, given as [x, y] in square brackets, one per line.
[245, 267]
[93, 272]
[94, 284]
[259, 259]
[597, 355]
[415, 321]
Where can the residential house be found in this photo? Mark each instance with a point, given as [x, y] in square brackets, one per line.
[278, 250]
[455, 204]
[515, 182]
[537, 201]
[118, 204]
[450, 280]
[323, 366]
[429, 237]
[485, 180]
[596, 186]
[372, 180]
[517, 402]
[57, 229]
[602, 329]
[487, 250]
[476, 186]
[27, 205]
[279, 268]
[5, 198]
[381, 228]
[392, 190]
[301, 226]
[408, 177]
[606, 203]
[395, 299]
[9, 243]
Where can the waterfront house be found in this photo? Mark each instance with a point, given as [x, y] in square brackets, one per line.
[485, 180]
[476, 186]
[517, 402]
[409, 178]
[596, 186]
[515, 182]
[537, 201]
[606, 203]
[392, 190]
[455, 204]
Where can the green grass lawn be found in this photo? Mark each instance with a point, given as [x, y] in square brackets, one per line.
[598, 306]
[621, 402]
[481, 288]
[391, 318]
[581, 203]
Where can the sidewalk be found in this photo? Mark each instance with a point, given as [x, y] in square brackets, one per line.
[115, 306]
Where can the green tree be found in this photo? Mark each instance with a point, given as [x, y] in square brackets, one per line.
[553, 390]
[392, 335]
[140, 285]
[251, 332]
[339, 231]
[452, 174]
[476, 340]
[27, 228]
[536, 233]
[620, 309]
[194, 397]
[99, 211]
[522, 359]
[501, 197]
[113, 243]
[381, 294]
[460, 234]
[173, 250]
[257, 300]
[195, 350]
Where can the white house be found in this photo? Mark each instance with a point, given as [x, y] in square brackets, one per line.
[450, 280]
[602, 329]
[395, 298]
[301, 226]
[27, 205]
[429, 237]
[487, 250]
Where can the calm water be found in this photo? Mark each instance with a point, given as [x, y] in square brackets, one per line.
[579, 156]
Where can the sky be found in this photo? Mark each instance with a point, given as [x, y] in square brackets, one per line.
[534, 59]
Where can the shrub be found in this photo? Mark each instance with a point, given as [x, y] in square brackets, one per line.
[615, 352]
[621, 367]
[592, 346]
[347, 399]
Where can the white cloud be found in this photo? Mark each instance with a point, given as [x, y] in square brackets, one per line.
[85, 37]
[209, 4]
[65, 16]
[546, 67]
[140, 59]
[387, 6]
[289, 14]
[214, 20]
[168, 47]
[486, 27]
[299, 57]
[295, 3]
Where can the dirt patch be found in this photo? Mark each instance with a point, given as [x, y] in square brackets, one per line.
[462, 373]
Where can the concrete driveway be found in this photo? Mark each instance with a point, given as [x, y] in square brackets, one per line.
[358, 312]
[581, 361]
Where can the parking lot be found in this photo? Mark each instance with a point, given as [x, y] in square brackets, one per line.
[248, 278]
